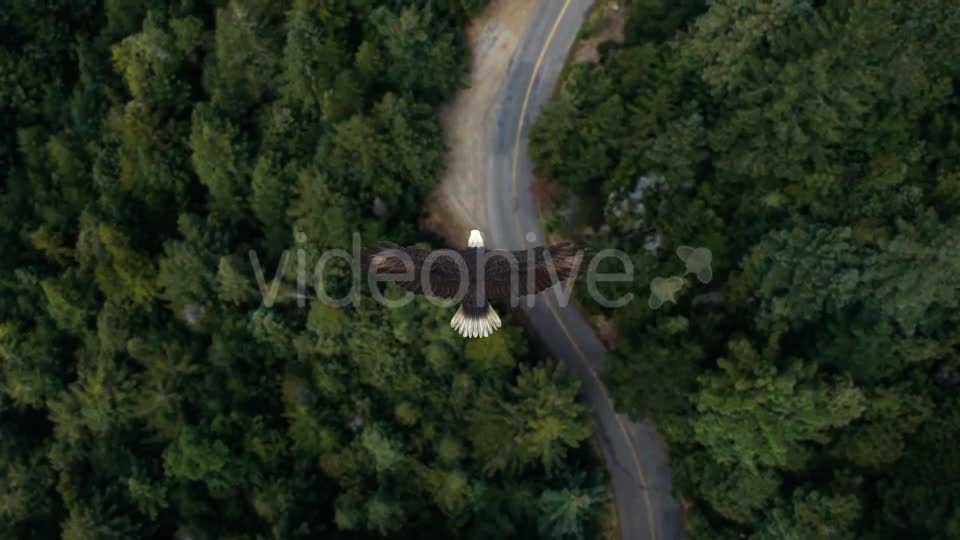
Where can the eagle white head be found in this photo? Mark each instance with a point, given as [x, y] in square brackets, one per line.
[475, 240]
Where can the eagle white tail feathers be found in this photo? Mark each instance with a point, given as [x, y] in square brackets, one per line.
[475, 325]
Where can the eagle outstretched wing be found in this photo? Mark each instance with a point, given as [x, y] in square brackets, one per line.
[405, 265]
[506, 274]
[509, 274]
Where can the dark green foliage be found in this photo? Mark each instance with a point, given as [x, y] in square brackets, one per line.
[806, 390]
[146, 391]
[563, 512]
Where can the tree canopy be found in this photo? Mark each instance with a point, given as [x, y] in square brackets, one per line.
[812, 148]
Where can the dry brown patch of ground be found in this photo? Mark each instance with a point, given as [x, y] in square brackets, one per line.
[606, 330]
[605, 22]
[546, 193]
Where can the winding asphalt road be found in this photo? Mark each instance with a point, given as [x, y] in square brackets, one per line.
[635, 455]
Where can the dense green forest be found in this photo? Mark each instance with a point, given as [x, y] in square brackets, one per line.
[145, 391]
[810, 389]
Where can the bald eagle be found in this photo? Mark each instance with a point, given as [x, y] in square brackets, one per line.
[476, 276]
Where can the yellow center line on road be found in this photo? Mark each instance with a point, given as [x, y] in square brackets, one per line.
[550, 306]
[526, 102]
